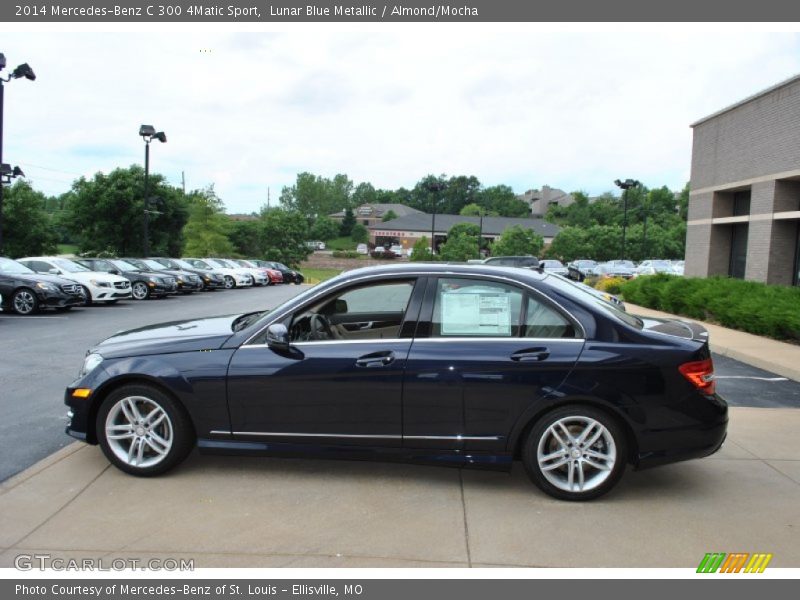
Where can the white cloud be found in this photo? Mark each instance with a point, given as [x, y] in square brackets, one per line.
[574, 110]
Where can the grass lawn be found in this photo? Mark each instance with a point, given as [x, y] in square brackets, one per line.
[341, 243]
[67, 249]
[319, 275]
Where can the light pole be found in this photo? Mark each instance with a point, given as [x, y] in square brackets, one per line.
[625, 186]
[148, 132]
[23, 70]
[435, 187]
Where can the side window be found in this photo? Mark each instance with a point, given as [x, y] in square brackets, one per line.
[542, 321]
[39, 266]
[373, 311]
[473, 308]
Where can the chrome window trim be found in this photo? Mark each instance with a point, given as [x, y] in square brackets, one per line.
[312, 298]
[434, 340]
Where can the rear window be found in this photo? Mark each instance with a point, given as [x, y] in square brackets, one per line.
[574, 290]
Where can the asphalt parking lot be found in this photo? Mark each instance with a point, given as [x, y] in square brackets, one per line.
[42, 354]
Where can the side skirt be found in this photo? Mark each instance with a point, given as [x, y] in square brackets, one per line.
[427, 456]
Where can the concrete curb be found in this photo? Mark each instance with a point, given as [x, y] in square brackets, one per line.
[765, 353]
[40, 466]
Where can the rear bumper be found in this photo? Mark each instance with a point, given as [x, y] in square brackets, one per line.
[701, 434]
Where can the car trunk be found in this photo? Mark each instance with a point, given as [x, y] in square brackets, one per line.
[684, 329]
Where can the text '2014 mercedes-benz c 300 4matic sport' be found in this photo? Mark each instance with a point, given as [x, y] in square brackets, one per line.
[456, 365]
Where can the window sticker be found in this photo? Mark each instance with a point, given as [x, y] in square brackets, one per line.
[465, 313]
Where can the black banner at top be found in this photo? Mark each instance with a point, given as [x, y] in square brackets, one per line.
[475, 11]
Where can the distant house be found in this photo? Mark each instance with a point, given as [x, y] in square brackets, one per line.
[540, 200]
[405, 231]
[370, 214]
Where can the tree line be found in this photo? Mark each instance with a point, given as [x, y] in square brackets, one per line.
[104, 215]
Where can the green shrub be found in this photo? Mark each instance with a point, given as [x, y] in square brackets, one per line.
[612, 285]
[757, 308]
[344, 254]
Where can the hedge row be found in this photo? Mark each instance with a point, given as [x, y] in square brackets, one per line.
[757, 308]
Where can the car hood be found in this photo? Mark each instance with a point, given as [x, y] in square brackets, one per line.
[36, 277]
[176, 336]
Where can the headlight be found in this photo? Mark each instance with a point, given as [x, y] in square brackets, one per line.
[46, 286]
[97, 283]
[90, 363]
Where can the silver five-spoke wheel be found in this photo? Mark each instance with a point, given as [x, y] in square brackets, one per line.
[143, 430]
[24, 302]
[140, 291]
[139, 431]
[575, 452]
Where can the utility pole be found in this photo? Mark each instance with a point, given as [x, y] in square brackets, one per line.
[183, 182]
[267, 198]
[625, 186]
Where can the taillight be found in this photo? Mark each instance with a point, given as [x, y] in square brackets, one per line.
[701, 374]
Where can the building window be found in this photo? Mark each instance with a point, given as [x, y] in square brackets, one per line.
[365, 222]
[741, 203]
[738, 260]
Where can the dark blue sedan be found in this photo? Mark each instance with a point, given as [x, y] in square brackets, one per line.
[457, 365]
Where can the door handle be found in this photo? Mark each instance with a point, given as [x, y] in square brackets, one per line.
[376, 359]
[531, 355]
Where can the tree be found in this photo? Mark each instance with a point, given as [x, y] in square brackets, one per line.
[246, 238]
[388, 216]
[518, 241]
[349, 220]
[27, 228]
[502, 201]
[207, 229]
[359, 234]
[324, 228]
[283, 235]
[106, 213]
[422, 250]
[461, 244]
[312, 195]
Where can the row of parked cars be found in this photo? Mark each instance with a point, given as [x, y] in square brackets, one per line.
[627, 269]
[30, 284]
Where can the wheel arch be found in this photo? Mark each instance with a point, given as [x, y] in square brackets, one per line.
[526, 422]
[114, 384]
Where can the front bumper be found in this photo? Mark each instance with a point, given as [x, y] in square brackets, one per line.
[106, 294]
[58, 299]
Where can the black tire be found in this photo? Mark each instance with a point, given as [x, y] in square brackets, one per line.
[87, 296]
[176, 423]
[63, 308]
[140, 291]
[578, 456]
[111, 302]
[24, 302]
[230, 282]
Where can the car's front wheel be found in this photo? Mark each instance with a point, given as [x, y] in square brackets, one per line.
[575, 453]
[25, 302]
[87, 296]
[143, 431]
[229, 282]
[140, 291]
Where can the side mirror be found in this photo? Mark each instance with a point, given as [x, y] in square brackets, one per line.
[114, 272]
[278, 337]
[54, 272]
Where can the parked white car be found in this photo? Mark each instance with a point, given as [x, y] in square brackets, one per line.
[233, 277]
[362, 249]
[257, 277]
[97, 286]
[398, 250]
[553, 266]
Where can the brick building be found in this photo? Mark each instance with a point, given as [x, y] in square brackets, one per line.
[744, 204]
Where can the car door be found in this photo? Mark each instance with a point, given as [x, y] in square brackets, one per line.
[485, 349]
[335, 385]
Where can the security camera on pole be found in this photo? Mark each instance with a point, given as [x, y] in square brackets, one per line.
[7, 172]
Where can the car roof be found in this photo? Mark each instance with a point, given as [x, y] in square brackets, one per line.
[423, 268]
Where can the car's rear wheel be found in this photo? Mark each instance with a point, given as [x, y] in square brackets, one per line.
[140, 291]
[25, 302]
[575, 453]
[143, 431]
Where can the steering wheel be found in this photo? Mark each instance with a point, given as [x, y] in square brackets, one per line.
[320, 328]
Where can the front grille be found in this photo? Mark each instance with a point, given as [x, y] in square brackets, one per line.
[194, 278]
[71, 288]
[169, 280]
[122, 285]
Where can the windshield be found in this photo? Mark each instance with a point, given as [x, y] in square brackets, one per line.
[153, 265]
[552, 263]
[11, 266]
[571, 288]
[216, 263]
[183, 264]
[68, 265]
[123, 265]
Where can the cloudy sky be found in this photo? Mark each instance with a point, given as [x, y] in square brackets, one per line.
[248, 111]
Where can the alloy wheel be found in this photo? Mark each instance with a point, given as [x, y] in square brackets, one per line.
[139, 431]
[229, 282]
[24, 302]
[140, 291]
